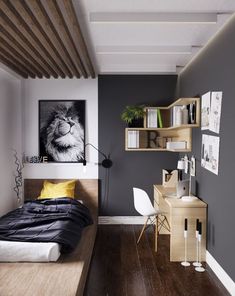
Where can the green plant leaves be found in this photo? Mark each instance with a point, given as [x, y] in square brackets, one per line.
[132, 112]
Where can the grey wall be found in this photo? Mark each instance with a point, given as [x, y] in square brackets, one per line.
[140, 169]
[214, 69]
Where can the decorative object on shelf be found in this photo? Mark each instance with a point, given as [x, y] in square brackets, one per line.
[183, 165]
[192, 113]
[169, 178]
[197, 263]
[35, 159]
[106, 163]
[199, 268]
[210, 153]
[185, 262]
[133, 115]
[18, 177]
[62, 130]
[185, 115]
[177, 115]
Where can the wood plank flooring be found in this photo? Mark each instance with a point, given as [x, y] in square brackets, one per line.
[121, 268]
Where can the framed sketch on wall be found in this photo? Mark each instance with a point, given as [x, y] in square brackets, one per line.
[205, 111]
[216, 103]
[62, 130]
[210, 153]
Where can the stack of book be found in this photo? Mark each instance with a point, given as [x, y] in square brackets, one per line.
[154, 119]
[133, 137]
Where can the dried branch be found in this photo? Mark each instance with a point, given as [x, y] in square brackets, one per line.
[18, 177]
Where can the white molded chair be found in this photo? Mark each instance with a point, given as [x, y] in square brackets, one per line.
[145, 208]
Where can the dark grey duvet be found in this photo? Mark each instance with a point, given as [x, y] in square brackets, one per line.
[59, 220]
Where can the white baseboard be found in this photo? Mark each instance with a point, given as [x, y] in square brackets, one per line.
[121, 220]
[221, 273]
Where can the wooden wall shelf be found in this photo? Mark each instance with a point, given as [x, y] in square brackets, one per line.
[155, 138]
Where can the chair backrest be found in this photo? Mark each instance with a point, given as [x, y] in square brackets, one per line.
[142, 202]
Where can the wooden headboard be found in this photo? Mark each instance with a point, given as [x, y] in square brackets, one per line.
[85, 189]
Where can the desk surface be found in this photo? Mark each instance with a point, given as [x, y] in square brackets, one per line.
[177, 202]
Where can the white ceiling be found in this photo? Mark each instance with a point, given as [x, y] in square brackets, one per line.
[144, 36]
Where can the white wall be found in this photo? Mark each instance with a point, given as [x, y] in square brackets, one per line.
[59, 89]
[10, 137]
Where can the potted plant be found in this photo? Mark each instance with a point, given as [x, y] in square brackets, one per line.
[133, 115]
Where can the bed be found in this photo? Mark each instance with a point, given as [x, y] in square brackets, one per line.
[67, 276]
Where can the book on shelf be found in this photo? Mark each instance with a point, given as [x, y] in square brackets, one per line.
[133, 139]
[159, 118]
[152, 117]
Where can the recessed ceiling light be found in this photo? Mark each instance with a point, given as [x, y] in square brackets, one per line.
[152, 17]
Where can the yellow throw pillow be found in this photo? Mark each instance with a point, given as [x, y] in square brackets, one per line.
[51, 190]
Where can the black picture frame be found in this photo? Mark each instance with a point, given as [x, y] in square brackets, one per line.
[62, 130]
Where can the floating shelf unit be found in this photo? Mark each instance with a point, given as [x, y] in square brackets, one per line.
[176, 133]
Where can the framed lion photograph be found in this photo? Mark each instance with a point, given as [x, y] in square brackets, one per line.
[62, 130]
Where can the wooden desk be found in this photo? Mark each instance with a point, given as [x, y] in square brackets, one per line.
[176, 211]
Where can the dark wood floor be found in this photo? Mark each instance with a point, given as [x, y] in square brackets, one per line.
[121, 268]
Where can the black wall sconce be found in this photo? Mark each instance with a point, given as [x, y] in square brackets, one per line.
[106, 163]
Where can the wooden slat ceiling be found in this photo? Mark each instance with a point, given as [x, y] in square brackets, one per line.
[42, 38]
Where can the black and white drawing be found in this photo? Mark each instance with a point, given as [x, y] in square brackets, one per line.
[205, 111]
[62, 130]
[210, 153]
[216, 103]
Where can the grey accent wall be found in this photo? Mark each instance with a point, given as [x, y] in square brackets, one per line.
[214, 69]
[130, 169]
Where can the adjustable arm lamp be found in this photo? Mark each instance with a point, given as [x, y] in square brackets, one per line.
[106, 163]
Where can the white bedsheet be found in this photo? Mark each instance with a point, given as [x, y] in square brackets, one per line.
[28, 252]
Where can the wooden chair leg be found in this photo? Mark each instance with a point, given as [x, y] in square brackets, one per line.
[156, 233]
[142, 231]
[167, 222]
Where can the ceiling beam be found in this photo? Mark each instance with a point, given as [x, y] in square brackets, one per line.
[37, 32]
[14, 20]
[76, 34]
[144, 49]
[13, 43]
[134, 68]
[19, 57]
[40, 14]
[59, 23]
[13, 31]
[16, 61]
[12, 66]
[153, 17]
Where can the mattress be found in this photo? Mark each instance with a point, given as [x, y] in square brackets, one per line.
[11, 251]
